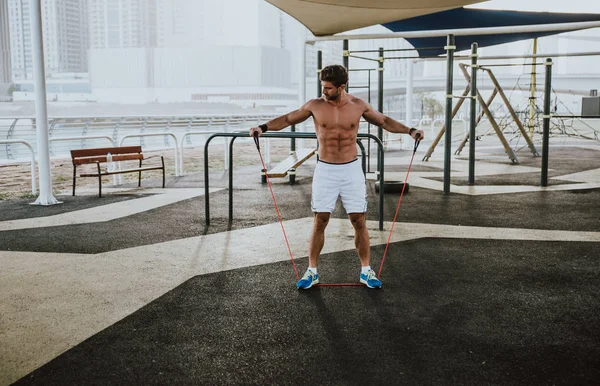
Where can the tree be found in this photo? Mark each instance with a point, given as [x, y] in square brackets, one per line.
[431, 106]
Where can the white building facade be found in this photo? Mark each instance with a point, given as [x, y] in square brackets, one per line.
[198, 51]
[5, 66]
[65, 37]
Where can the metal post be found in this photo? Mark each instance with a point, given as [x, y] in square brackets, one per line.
[41, 109]
[206, 182]
[230, 183]
[380, 108]
[473, 113]
[345, 53]
[293, 140]
[346, 59]
[450, 47]
[546, 138]
[319, 68]
[532, 90]
[380, 91]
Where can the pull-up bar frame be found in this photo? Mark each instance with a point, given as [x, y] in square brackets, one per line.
[234, 136]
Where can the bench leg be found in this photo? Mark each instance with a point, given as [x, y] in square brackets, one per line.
[74, 178]
[263, 176]
[140, 176]
[292, 174]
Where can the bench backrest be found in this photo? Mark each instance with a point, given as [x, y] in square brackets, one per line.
[124, 153]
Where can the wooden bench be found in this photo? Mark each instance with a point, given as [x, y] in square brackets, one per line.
[289, 165]
[99, 156]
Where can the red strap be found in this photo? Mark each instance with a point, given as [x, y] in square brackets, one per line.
[277, 209]
[397, 208]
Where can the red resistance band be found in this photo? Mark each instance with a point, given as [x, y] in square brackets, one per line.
[417, 141]
[276, 207]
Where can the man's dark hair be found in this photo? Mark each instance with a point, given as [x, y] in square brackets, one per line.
[336, 74]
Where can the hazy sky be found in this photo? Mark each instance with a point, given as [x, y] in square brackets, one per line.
[592, 6]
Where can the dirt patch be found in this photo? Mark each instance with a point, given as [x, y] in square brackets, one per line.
[15, 178]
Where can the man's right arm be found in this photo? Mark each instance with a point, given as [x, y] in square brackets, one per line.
[280, 123]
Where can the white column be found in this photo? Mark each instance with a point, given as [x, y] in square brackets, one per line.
[409, 94]
[301, 143]
[41, 112]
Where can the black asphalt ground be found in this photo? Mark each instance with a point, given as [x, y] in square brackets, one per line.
[451, 311]
[479, 313]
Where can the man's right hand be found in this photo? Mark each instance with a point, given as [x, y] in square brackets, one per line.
[255, 130]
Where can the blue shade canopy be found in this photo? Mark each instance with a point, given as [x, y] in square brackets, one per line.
[480, 18]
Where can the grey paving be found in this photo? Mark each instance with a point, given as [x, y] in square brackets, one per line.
[494, 288]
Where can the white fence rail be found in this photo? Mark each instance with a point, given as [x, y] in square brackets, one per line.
[93, 130]
[32, 152]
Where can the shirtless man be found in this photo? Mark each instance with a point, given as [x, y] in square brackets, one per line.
[336, 117]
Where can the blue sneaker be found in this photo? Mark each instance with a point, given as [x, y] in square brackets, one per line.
[370, 279]
[308, 280]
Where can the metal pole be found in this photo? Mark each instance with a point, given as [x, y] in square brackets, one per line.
[206, 182]
[450, 47]
[533, 90]
[319, 68]
[293, 140]
[345, 53]
[41, 109]
[410, 64]
[230, 183]
[380, 91]
[380, 108]
[473, 113]
[346, 59]
[546, 138]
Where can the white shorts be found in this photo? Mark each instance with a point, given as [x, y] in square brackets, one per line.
[331, 181]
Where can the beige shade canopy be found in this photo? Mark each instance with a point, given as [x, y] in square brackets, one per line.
[328, 17]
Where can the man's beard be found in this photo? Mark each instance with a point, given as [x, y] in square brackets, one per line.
[332, 97]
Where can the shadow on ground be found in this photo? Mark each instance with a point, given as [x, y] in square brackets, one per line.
[481, 312]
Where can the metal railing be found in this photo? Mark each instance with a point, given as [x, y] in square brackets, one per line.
[176, 148]
[33, 176]
[22, 128]
[234, 136]
[182, 147]
[83, 138]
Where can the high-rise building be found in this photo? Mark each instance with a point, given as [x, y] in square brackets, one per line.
[65, 33]
[5, 71]
[122, 23]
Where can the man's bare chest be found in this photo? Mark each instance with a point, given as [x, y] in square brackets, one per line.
[337, 117]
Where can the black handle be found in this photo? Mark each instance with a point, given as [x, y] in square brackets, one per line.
[256, 140]
[417, 141]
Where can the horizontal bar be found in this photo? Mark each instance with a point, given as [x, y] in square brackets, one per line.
[362, 57]
[577, 116]
[412, 57]
[460, 32]
[511, 65]
[362, 69]
[529, 56]
[396, 50]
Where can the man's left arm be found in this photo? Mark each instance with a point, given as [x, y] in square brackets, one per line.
[389, 124]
